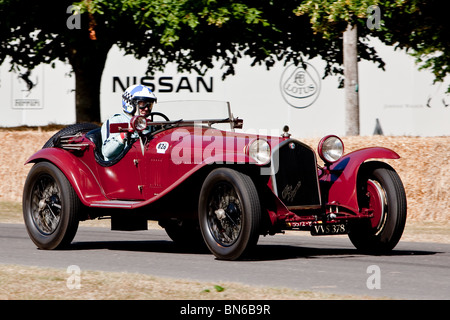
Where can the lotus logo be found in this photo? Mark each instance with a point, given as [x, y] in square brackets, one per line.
[300, 85]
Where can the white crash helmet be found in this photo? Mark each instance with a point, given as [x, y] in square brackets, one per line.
[136, 93]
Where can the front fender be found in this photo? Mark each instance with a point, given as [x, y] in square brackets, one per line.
[338, 182]
[79, 175]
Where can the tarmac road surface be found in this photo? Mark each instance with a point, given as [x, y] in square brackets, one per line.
[326, 264]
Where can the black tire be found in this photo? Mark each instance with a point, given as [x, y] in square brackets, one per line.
[229, 213]
[380, 189]
[50, 207]
[69, 130]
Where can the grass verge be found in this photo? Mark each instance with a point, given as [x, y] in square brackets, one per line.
[33, 283]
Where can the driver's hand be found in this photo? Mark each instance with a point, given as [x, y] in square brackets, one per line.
[122, 137]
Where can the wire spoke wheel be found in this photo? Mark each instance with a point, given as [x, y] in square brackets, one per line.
[46, 205]
[224, 214]
[229, 213]
[50, 207]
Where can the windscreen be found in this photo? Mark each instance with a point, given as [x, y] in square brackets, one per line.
[195, 110]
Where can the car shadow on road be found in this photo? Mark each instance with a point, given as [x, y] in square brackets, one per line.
[162, 246]
[262, 252]
[268, 252]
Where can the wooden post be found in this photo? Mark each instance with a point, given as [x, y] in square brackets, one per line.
[351, 81]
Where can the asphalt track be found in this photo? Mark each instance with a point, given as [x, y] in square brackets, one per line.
[327, 264]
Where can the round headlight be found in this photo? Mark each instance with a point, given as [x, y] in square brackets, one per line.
[330, 149]
[139, 123]
[260, 151]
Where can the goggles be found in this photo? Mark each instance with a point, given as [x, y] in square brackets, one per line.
[142, 104]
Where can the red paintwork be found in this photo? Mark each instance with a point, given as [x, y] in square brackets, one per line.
[375, 202]
[157, 173]
[140, 179]
[340, 178]
[79, 175]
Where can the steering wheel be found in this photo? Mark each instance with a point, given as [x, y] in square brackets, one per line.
[158, 114]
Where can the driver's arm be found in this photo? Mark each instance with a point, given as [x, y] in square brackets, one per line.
[113, 143]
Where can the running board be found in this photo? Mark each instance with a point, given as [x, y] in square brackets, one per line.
[123, 204]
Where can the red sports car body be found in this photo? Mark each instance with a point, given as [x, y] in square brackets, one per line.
[218, 187]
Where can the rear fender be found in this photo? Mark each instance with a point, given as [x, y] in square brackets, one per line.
[338, 183]
[79, 175]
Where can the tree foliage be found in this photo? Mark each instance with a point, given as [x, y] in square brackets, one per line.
[195, 34]
[422, 28]
[419, 27]
[198, 34]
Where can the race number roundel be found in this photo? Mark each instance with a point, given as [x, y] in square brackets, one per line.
[162, 147]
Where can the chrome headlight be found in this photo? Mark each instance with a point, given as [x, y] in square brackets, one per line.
[139, 123]
[331, 149]
[259, 150]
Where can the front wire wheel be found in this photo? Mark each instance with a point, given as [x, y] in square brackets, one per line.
[224, 214]
[50, 207]
[46, 205]
[229, 213]
[380, 190]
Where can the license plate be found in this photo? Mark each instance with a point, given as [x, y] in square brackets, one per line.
[329, 229]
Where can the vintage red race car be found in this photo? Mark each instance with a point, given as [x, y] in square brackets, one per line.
[212, 186]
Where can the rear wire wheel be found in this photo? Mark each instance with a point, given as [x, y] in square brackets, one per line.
[380, 190]
[50, 207]
[229, 213]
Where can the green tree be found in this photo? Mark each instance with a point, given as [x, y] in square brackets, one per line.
[192, 33]
[33, 32]
[335, 20]
[197, 33]
[419, 27]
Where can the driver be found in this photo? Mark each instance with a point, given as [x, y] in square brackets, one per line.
[136, 97]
